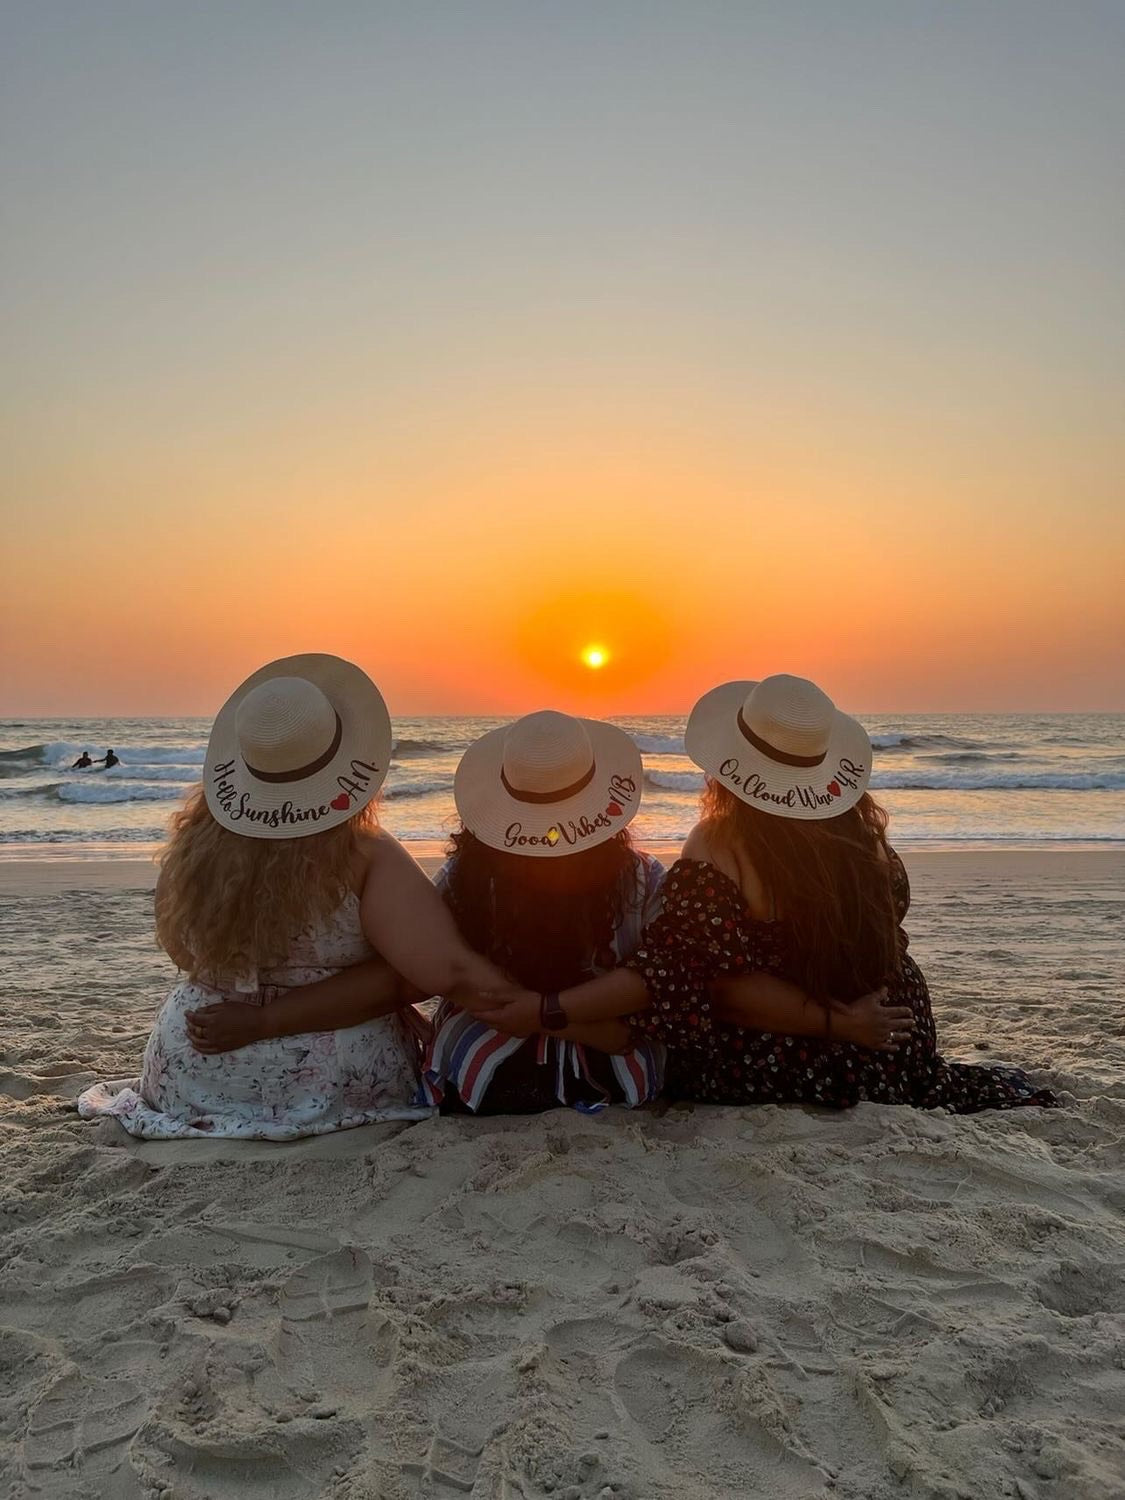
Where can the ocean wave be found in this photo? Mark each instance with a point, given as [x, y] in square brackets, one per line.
[419, 749]
[396, 791]
[998, 781]
[62, 753]
[674, 781]
[965, 757]
[186, 775]
[108, 791]
[659, 744]
[106, 838]
[922, 742]
[1011, 839]
[29, 755]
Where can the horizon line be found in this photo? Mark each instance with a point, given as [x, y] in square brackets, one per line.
[620, 714]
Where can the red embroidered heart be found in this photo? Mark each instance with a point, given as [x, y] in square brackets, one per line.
[834, 788]
[341, 803]
[614, 809]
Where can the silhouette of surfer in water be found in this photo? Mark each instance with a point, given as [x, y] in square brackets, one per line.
[84, 763]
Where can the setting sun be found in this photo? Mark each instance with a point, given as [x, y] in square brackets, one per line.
[595, 656]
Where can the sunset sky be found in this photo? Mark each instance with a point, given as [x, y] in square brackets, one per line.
[459, 337]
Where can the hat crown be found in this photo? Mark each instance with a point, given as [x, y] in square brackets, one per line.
[546, 751]
[790, 714]
[284, 723]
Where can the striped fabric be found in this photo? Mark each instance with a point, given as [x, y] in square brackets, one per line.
[467, 1053]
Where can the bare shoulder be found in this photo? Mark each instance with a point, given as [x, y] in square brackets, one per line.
[704, 843]
[380, 856]
[382, 847]
[700, 842]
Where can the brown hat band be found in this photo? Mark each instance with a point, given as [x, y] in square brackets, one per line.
[302, 771]
[781, 756]
[559, 796]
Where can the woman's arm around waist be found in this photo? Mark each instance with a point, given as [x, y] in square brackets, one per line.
[361, 992]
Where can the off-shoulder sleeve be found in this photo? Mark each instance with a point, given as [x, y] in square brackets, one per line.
[699, 936]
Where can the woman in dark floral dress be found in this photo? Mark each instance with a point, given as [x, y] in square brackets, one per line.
[707, 932]
[788, 874]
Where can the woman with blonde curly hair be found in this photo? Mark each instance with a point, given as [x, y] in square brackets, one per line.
[277, 874]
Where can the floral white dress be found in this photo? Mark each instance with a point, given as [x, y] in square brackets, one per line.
[274, 1090]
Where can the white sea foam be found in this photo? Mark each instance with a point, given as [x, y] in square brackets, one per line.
[63, 753]
[109, 791]
[185, 775]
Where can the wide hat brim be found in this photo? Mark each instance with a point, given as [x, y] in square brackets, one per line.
[550, 830]
[295, 809]
[715, 742]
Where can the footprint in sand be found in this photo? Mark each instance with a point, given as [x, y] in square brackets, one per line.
[1081, 1291]
[26, 1362]
[753, 1216]
[86, 1422]
[329, 1287]
[699, 1430]
[582, 1351]
[448, 1470]
[296, 1462]
[329, 1337]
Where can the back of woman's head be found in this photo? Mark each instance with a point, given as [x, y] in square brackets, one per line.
[830, 879]
[226, 904]
[547, 922]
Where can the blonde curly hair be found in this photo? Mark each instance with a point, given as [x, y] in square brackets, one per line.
[226, 904]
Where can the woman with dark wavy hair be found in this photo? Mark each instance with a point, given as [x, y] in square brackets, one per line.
[544, 874]
[788, 874]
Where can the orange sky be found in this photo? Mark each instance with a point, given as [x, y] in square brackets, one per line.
[822, 377]
[471, 582]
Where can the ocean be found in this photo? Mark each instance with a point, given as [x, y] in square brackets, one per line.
[948, 780]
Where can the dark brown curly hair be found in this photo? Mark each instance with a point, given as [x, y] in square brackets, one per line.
[829, 879]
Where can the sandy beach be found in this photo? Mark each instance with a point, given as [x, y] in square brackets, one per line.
[703, 1303]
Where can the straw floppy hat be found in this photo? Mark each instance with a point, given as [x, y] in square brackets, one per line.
[300, 747]
[548, 785]
[782, 746]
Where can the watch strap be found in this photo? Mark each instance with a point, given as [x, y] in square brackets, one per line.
[552, 1017]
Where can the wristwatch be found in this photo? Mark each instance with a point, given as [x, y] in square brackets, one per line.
[552, 1017]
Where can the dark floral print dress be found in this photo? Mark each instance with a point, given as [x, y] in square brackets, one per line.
[705, 932]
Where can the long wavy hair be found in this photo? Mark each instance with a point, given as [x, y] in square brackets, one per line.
[226, 903]
[829, 879]
[549, 923]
